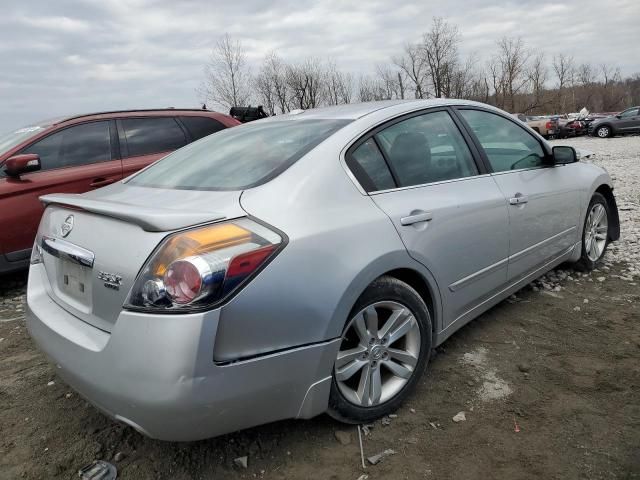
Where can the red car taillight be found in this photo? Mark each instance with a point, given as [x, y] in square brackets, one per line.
[549, 125]
[199, 268]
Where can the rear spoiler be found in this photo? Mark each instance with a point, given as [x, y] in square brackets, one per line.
[150, 219]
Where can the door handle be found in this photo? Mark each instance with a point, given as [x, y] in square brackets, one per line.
[416, 216]
[101, 182]
[518, 199]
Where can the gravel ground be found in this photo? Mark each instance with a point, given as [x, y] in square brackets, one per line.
[548, 383]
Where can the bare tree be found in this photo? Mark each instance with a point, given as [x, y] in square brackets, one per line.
[412, 63]
[439, 49]
[339, 88]
[564, 69]
[391, 81]
[511, 62]
[537, 74]
[306, 82]
[227, 76]
[271, 85]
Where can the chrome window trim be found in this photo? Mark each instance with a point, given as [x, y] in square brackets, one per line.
[360, 135]
[410, 187]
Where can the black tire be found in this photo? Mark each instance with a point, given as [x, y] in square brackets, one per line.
[385, 288]
[603, 131]
[585, 263]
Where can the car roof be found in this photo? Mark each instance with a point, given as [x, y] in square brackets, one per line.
[353, 111]
[132, 113]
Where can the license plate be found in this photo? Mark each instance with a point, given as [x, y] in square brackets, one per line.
[550, 132]
[74, 281]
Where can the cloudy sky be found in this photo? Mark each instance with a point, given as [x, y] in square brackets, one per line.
[64, 56]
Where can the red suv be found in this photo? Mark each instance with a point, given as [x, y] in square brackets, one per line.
[81, 153]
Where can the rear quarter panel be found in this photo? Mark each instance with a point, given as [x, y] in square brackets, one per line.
[339, 242]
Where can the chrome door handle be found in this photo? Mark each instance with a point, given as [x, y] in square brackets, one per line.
[519, 199]
[416, 217]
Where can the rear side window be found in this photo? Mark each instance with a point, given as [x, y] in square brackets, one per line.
[73, 146]
[369, 167]
[201, 126]
[507, 146]
[238, 158]
[145, 136]
[425, 149]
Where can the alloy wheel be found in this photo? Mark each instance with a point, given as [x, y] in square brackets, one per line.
[595, 232]
[603, 132]
[378, 353]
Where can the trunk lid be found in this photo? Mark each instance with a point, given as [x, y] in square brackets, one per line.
[117, 228]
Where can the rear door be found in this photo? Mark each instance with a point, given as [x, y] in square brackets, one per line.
[75, 159]
[143, 140]
[450, 215]
[543, 200]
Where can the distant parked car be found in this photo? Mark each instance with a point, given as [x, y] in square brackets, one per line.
[248, 114]
[546, 127]
[624, 122]
[81, 153]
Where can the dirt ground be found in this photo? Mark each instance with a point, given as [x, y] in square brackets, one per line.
[559, 362]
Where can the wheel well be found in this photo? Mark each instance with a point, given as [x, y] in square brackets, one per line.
[606, 191]
[419, 284]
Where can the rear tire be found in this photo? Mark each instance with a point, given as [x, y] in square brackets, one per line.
[385, 349]
[595, 233]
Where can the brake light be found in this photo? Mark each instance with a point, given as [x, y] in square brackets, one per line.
[201, 267]
[549, 125]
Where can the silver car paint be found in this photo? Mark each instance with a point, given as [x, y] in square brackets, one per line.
[181, 377]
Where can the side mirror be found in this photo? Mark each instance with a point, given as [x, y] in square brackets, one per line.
[563, 155]
[19, 164]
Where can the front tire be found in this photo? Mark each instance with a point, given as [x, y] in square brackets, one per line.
[595, 233]
[384, 350]
[603, 132]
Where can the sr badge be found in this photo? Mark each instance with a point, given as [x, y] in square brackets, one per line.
[111, 280]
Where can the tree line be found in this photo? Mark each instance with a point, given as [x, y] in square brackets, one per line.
[515, 78]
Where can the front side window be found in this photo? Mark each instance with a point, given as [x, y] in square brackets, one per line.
[146, 136]
[78, 145]
[427, 148]
[238, 158]
[632, 112]
[507, 146]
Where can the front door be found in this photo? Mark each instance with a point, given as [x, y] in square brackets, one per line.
[451, 218]
[629, 121]
[543, 200]
[74, 160]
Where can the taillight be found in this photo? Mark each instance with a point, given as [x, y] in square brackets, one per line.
[549, 125]
[196, 269]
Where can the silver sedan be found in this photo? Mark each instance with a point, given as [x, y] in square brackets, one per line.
[305, 263]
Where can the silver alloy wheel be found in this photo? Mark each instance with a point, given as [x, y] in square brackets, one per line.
[603, 132]
[595, 232]
[378, 354]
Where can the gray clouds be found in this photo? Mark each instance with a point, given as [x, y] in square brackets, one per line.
[63, 56]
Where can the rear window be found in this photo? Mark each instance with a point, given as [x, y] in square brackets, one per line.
[239, 157]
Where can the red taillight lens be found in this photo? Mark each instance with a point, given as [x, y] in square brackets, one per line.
[549, 125]
[247, 263]
[183, 281]
[199, 268]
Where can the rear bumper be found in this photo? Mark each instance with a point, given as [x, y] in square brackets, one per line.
[157, 374]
